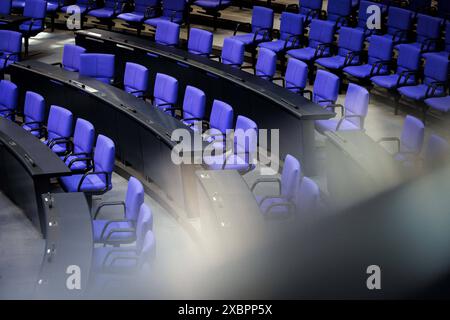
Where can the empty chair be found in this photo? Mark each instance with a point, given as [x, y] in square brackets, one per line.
[266, 64]
[79, 156]
[437, 152]
[262, 24]
[165, 92]
[193, 106]
[10, 47]
[59, 128]
[135, 79]
[363, 16]
[220, 120]
[232, 53]
[339, 11]
[446, 51]
[213, 8]
[308, 10]
[9, 95]
[110, 9]
[129, 260]
[200, 42]
[143, 9]
[354, 111]
[36, 11]
[287, 187]
[291, 31]
[245, 144]
[98, 180]
[410, 142]
[319, 44]
[399, 24]
[296, 76]
[379, 61]
[325, 90]
[172, 11]
[428, 33]
[349, 50]
[167, 33]
[408, 63]
[307, 199]
[97, 65]
[71, 57]
[434, 83]
[34, 114]
[441, 103]
[5, 7]
[123, 230]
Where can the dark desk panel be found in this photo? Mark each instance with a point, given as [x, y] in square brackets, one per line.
[26, 166]
[69, 243]
[142, 133]
[269, 105]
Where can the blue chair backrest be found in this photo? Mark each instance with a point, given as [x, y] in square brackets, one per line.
[296, 75]
[221, 117]
[134, 199]
[143, 225]
[167, 33]
[428, 28]
[10, 42]
[291, 25]
[262, 18]
[308, 196]
[97, 65]
[338, 9]
[165, 90]
[408, 58]
[320, 32]
[83, 137]
[356, 103]
[35, 9]
[266, 63]
[326, 87]
[412, 136]
[200, 42]
[305, 6]
[437, 151]
[380, 49]
[232, 52]
[34, 108]
[350, 40]
[194, 103]
[174, 9]
[245, 137]
[104, 158]
[142, 5]
[5, 7]
[8, 98]
[436, 69]
[290, 176]
[148, 250]
[135, 79]
[59, 123]
[399, 19]
[71, 57]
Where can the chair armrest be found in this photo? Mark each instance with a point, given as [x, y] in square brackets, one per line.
[321, 48]
[55, 141]
[266, 180]
[308, 92]
[376, 67]
[346, 117]
[406, 75]
[296, 37]
[238, 25]
[107, 224]
[350, 56]
[433, 86]
[88, 166]
[334, 106]
[7, 57]
[106, 174]
[265, 32]
[59, 64]
[390, 139]
[274, 196]
[109, 204]
[116, 231]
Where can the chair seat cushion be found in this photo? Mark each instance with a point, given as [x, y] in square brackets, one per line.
[362, 71]
[102, 13]
[336, 62]
[389, 81]
[417, 92]
[132, 16]
[37, 26]
[275, 46]
[92, 183]
[29, 128]
[441, 104]
[248, 38]
[304, 54]
[118, 237]
[210, 4]
[233, 162]
[331, 125]
[154, 21]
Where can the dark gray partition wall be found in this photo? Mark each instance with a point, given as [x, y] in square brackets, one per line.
[26, 166]
[142, 133]
[269, 105]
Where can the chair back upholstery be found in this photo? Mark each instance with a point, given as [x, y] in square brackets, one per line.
[97, 65]
[134, 199]
[135, 79]
[412, 136]
[200, 42]
[71, 57]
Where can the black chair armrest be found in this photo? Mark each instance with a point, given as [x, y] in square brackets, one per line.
[106, 174]
[109, 222]
[109, 204]
[238, 25]
[266, 180]
[308, 92]
[334, 106]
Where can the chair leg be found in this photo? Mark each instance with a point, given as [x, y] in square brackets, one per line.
[424, 112]
[397, 103]
[52, 21]
[215, 21]
[26, 43]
